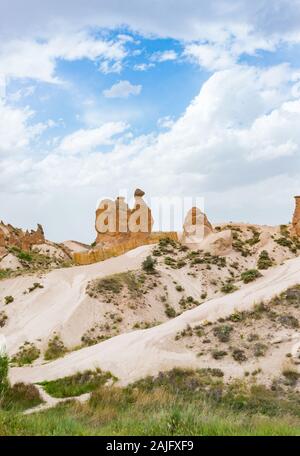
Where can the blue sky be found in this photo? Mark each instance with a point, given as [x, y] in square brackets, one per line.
[179, 98]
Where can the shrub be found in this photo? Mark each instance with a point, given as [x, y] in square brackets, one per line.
[170, 311]
[27, 353]
[148, 265]
[260, 349]
[264, 261]
[218, 354]
[228, 287]
[55, 349]
[3, 319]
[179, 288]
[24, 256]
[222, 332]
[9, 299]
[291, 376]
[250, 275]
[35, 286]
[204, 295]
[239, 355]
[20, 397]
[289, 320]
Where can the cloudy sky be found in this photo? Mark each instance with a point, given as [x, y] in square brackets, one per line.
[180, 98]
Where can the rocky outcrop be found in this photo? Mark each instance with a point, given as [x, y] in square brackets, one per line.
[296, 217]
[116, 223]
[217, 243]
[196, 226]
[15, 237]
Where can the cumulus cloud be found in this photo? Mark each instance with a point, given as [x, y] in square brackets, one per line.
[122, 89]
[143, 66]
[16, 129]
[89, 139]
[37, 59]
[232, 139]
[164, 56]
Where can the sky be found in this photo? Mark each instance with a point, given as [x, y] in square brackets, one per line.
[180, 98]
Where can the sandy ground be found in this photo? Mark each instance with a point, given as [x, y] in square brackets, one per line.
[36, 315]
[132, 355]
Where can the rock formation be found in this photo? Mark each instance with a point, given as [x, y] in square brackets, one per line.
[10, 236]
[296, 217]
[198, 233]
[116, 223]
[196, 226]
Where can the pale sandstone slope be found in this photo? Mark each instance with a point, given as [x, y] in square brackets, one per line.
[133, 355]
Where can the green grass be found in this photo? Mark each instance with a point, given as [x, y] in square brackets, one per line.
[178, 402]
[20, 397]
[75, 385]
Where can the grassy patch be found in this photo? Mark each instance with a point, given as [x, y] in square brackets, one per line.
[178, 402]
[20, 397]
[75, 385]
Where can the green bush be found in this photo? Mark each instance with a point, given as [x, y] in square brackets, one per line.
[223, 332]
[55, 349]
[27, 353]
[170, 311]
[264, 261]
[8, 299]
[250, 275]
[148, 265]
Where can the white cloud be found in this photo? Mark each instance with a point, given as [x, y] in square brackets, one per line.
[211, 56]
[165, 122]
[164, 56]
[16, 129]
[37, 59]
[232, 140]
[88, 140]
[122, 89]
[143, 66]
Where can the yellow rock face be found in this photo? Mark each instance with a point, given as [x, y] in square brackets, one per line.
[296, 217]
[117, 224]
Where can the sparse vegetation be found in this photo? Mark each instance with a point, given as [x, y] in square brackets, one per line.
[55, 349]
[178, 402]
[35, 286]
[228, 287]
[222, 332]
[27, 353]
[3, 319]
[8, 299]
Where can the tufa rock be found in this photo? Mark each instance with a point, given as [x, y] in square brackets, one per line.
[139, 192]
[196, 226]
[116, 223]
[296, 217]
